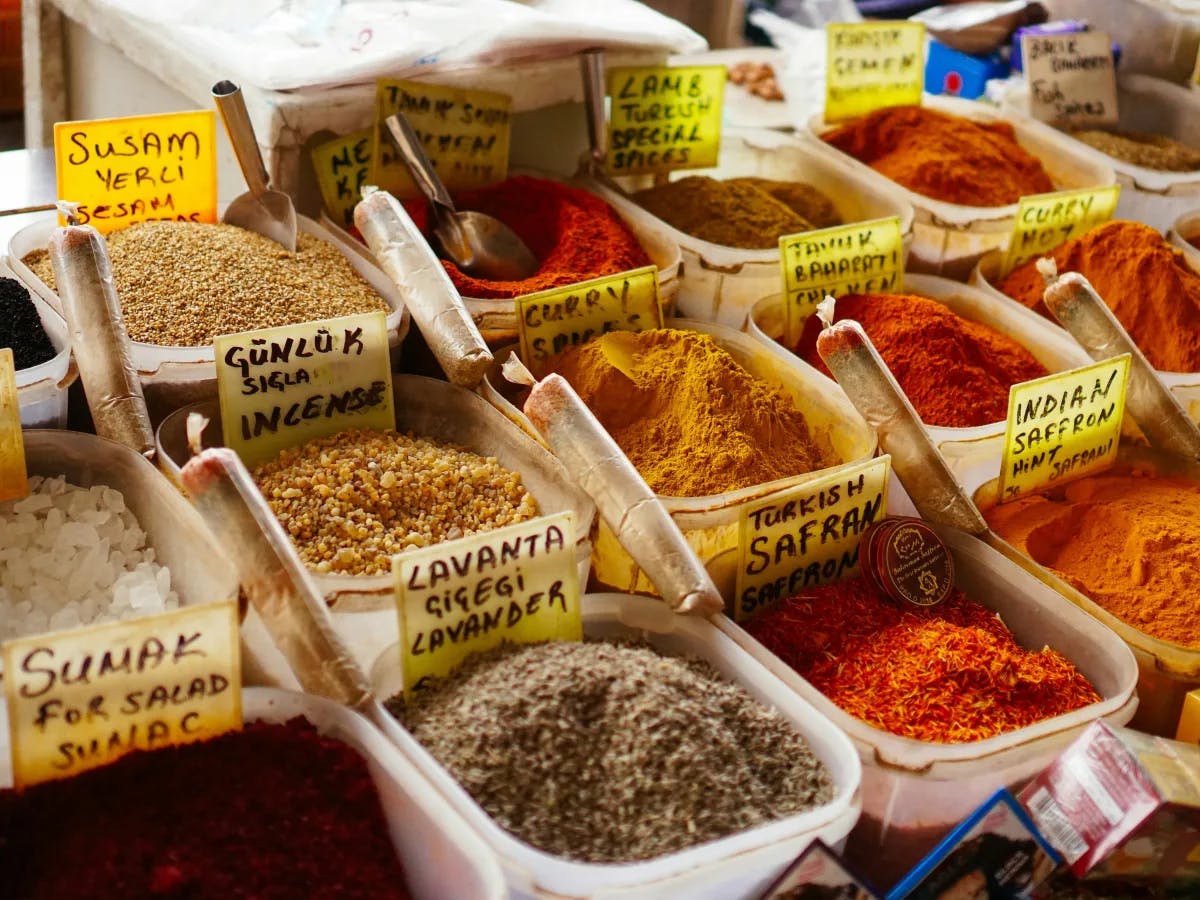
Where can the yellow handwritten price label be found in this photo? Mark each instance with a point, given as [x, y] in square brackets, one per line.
[1044, 221]
[554, 319]
[280, 387]
[807, 535]
[138, 168]
[663, 118]
[465, 134]
[13, 480]
[1063, 426]
[82, 698]
[342, 167]
[872, 65]
[1072, 78]
[514, 585]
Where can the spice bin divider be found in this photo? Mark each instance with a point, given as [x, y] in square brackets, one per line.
[741, 865]
[42, 389]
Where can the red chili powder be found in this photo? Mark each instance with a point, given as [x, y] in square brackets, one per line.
[273, 811]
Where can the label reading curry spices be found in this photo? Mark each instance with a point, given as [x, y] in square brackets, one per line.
[342, 167]
[1072, 78]
[807, 535]
[13, 480]
[517, 585]
[1062, 427]
[872, 65]
[1046, 220]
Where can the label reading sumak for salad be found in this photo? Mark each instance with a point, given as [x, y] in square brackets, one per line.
[1046, 220]
[13, 480]
[342, 167]
[872, 65]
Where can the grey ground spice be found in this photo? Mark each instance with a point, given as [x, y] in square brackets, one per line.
[183, 283]
[1153, 151]
[612, 752]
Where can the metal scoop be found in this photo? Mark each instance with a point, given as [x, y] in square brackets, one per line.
[262, 210]
[479, 244]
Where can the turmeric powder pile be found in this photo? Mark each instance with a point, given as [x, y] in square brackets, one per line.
[691, 420]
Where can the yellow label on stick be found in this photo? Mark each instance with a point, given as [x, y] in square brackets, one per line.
[280, 387]
[807, 535]
[872, 65]
[138, 168]
[82, 698]
[342, 167]
[465, 134]
[663, 118]
[1072, 78]
[1046, 220]
[1062, 427]
[517, 585]
[14, 482]
[552, 320]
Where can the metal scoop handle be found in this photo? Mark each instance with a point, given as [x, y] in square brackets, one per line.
[591, 64]
[232, 106]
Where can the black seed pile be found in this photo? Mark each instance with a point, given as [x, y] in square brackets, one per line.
[21, 327]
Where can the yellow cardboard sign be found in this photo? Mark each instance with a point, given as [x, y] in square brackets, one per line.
[1072, 78]
[1063, 426]
[1046, 220]
[138, 168]
[82, 698]
[14, 482]
[517, 585]
[872, 65]
[663, 118]
[549, 321]
[465, 134]
[280, 387]
[807, 535]
[1188, 729]
[342, 167]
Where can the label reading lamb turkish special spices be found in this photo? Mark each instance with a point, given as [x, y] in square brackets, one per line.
[13, 480]
[872, 65]
[1046, 220]
[1072, 79]
[342, 167]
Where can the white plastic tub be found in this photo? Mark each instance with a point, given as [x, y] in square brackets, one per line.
[914, 791]
[741, 865]
[42, 389]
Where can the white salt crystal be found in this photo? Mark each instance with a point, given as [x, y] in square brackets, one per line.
[31, 504]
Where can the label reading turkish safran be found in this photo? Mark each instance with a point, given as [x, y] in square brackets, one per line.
[517, 585]
[1062, 427]
[13, 480]
[807, 535]
[872, 65]
[342, 167]
[1044, 221]
[663, 118]
[1072, 79]
[82, 698]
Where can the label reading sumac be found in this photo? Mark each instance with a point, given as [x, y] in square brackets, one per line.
[342, 167]
[1071, 77]
[871, 65]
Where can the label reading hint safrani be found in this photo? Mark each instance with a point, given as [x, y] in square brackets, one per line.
[1071, 77]
[342, 167]
[13, 480]
[663, 118]
[1044, 221]
[872, 65]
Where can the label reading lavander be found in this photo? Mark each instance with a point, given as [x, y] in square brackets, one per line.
[13, 480]
[872, 65]
[1072, 78]
[343, 167]
[1044, 221]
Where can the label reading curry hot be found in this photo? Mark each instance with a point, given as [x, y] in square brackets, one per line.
[82, 698]
[342, 167]
[1062, 427]
[807, 535]
[1072, 78]
[1044, 221]
[13, 480]
[280, 387]
[517, 585]
[872, 65]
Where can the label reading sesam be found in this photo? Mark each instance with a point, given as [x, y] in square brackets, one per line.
[872, 65]
[342, 167]
[1046, 220]
[663, 118]
[1071, 77]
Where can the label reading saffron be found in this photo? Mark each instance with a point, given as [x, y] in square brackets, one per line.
[13, 480]
[663, 118]
[549, 321]
[82, 698]
[807, 535]
[342, 167]
[280, 387]
[465, 134]
[515, 585]
[1046, 220]
[872, 65]
[138, 168]
[1062, 427]
[1072, 79]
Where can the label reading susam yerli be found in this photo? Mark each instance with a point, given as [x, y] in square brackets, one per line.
[1062, 427]
[82, 698]
[663, 118]
[1046, 220]
[280, 387]
[13, 481]
[807, 535]
[1071, 77]
[517, 584]
[871, 65]
[342, 167]
[122, 171]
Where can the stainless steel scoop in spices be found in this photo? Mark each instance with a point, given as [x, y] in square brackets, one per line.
[479, 244]
[262, 210]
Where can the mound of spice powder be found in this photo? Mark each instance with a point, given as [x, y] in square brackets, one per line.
[272, 811]
[21, 328]
[944, 157]
[956, 372]
[950, 674]
[1153, 151]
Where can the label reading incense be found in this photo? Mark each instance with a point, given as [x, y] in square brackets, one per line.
[807, 535]
[82, 698]
[1071, 77]
[13, 480]
[342, 167]
[465, 135]
[872, 65]
[550, 321]
[1046, 220]
[663, 118]
[138, 168]
[280, 387]
[1062, 427]
[517, 585]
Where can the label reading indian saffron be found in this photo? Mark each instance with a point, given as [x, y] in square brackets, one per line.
[13, 480]
[280, 387]
[872, 65]
[549, 321]
[82, 698]
[514, 585]
[1062, 427]
[342, 167]
[138, 168]
[1044, 221]
[1072, 78]
[807, 535]
[663, 118]
[465, 134]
